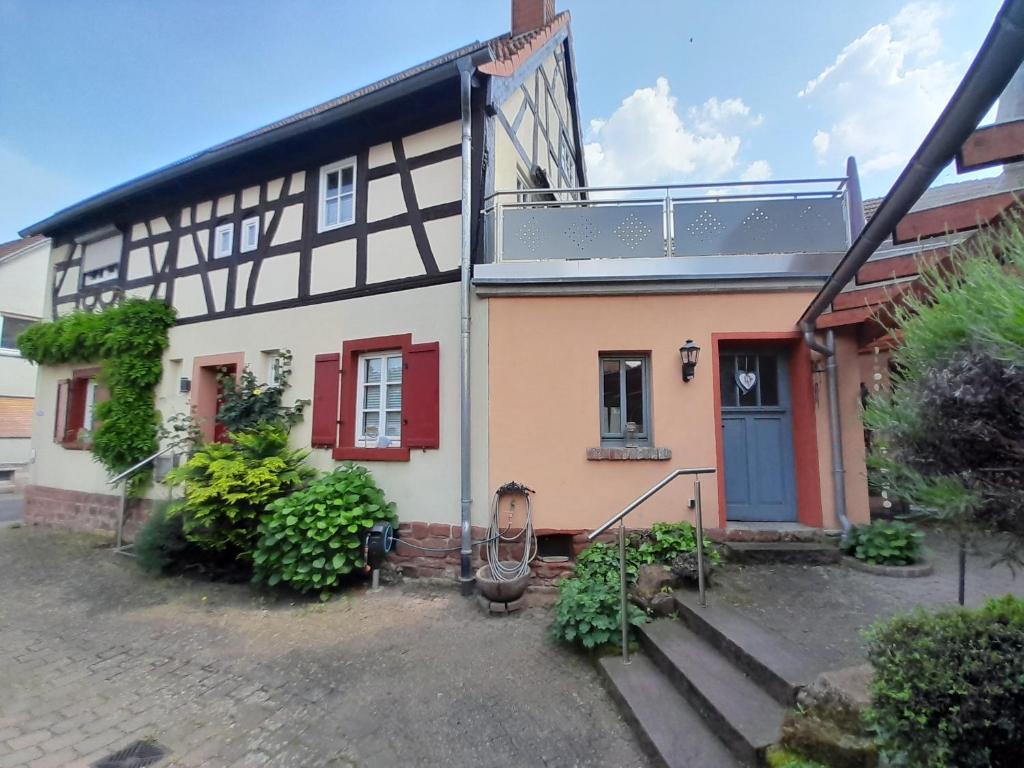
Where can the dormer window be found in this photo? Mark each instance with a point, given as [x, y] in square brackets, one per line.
[337, 195]
[250, 234]
[224, 241]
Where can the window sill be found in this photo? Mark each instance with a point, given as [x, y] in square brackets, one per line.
[76, 446]
[348, 453]
[632, 453]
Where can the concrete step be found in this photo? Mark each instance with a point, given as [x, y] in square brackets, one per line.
[795, 552]
[673, 731]
[778, 665]
[740, 713]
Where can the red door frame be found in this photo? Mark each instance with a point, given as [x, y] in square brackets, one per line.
[805, 428]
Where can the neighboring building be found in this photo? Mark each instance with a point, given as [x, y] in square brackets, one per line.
[24, 266]
[340, 234]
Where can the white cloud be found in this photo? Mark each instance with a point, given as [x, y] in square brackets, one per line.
[884, 91]
[759, 170]
[647, 141]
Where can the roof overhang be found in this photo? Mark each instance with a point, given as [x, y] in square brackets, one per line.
[347, 107]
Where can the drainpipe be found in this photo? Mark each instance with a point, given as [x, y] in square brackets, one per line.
[466, 549]
[991, 71]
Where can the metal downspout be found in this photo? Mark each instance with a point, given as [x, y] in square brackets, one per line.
[466, 548]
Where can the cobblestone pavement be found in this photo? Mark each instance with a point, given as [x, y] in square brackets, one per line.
[95, 655]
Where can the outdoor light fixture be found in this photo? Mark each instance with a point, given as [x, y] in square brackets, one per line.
[689, 353]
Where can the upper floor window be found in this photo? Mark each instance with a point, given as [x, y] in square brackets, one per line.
[101, 259]
[250, 234]
[223, 241]
[10, 327]
[625, 408]
[379, 401]
[565, 160]
[337, 194]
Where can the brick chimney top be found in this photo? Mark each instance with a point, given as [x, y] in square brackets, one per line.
[528, 15]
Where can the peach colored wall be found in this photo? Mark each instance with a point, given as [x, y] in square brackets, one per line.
[544, 399]
[849, 368]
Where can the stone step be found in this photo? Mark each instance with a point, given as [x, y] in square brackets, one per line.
[775, 663]
[796, 552]
[673, 731]
[740, 713]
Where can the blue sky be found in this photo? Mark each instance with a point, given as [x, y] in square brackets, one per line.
[95, 92]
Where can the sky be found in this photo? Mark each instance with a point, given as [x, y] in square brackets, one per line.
[95, 92]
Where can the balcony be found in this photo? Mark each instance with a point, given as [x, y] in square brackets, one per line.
[794, 230]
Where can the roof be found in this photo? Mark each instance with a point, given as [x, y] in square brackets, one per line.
[15, 246]
[956, 192]
[502, 56]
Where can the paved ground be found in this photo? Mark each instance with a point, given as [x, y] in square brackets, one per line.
[11, 508]
[824, 608]
[96, 655]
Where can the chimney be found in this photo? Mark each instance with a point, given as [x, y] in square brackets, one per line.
[528, 15]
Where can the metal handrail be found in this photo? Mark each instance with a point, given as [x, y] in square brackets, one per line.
[703, 185]
[122, 478]
[620, 517]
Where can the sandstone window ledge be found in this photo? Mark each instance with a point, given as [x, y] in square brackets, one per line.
[632, 453]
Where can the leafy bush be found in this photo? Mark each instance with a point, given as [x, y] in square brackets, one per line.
[161, 544]
[311, 537]
[128, 340]
[884, 542]
[228, 486]
[779, 757]
[246, 403]
[588, 612]
[949, 687]
[665, 541]
[601, 561]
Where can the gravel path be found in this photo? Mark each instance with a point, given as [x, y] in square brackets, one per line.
[97, 655]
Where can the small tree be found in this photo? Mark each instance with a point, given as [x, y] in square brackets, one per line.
[949, 438]
[248, 402]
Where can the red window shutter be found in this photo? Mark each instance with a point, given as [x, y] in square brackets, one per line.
[421, 427]
[326, 379]
[60, 416]
[75, 419]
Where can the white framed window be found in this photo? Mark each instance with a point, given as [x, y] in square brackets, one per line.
[272, 359]
[90, 401]
[10, 327]
[250, 234]
[223, 241]
[565, 159]
[522, 183]
[379, 401]
[337, 195]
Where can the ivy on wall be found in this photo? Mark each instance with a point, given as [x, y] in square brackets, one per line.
[128, 340]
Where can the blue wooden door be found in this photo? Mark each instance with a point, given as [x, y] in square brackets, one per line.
[757, 433]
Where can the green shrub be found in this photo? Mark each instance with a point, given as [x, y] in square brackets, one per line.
[588, 612]
[600, 561]
[949, 687]
[666, 541]
[311, 537]
[884, 542]
[779, 757]
[228, 486]
[161, 544]
[246, 403]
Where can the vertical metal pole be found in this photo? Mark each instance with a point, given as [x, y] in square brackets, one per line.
[120, 514]
[465, 410]
[668, 222]
[622, 591]
[700, 542]
[962, 562]
[375, 580]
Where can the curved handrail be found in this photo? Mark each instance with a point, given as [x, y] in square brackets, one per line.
[119, 541]
[132, 470]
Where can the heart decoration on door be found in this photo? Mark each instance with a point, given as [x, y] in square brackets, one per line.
[746, 381]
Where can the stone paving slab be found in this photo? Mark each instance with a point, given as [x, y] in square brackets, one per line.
[97, 654]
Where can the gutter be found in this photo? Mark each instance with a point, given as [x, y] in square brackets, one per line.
[998, 59]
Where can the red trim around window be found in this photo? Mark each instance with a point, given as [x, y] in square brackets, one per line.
[346, 449]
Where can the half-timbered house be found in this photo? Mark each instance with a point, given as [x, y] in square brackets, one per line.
[343, 234]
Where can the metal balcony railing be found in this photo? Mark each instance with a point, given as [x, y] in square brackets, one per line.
[731, 218]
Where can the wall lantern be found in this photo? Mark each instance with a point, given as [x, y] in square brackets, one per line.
[689, 353]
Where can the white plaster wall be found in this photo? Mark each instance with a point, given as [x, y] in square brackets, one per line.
[15, 450]
[425, 488]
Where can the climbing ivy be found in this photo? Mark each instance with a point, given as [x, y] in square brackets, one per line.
[128, 340]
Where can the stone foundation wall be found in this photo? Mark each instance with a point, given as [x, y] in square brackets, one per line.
[80, 511]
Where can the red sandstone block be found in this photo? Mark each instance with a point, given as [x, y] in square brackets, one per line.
[419, 530]
[439, 529]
